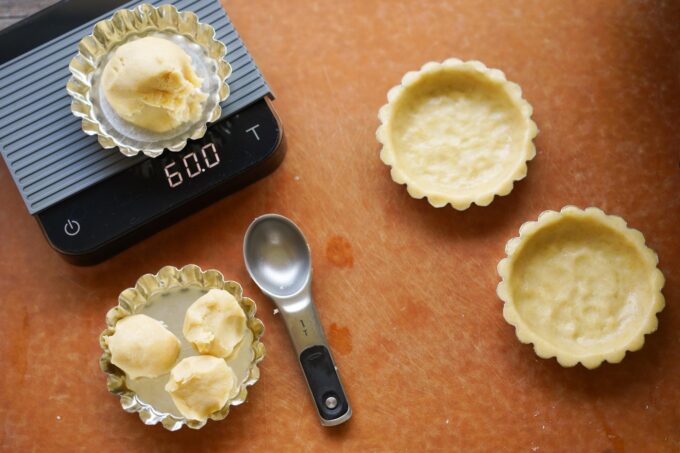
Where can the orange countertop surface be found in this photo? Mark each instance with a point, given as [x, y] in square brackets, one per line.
[406, 292]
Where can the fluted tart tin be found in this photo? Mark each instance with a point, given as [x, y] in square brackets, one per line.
[94, 52]
[166, 296]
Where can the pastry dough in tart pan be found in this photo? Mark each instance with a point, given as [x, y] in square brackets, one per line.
[457, 133]
[581, 286]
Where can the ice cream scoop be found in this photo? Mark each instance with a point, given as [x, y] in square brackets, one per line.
[278, 259]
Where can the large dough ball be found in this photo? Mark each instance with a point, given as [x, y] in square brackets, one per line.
[215, 323]
[142, 347]
[201, 385]
[150, 83]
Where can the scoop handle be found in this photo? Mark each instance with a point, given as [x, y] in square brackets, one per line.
[317, 363]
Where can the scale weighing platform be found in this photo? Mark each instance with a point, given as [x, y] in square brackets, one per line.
[92, 202]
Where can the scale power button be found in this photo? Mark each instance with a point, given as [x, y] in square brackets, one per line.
[71, 227]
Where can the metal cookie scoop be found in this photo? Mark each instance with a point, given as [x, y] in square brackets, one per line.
[278, 259]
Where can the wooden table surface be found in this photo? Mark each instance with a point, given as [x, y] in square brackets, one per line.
[406, 292]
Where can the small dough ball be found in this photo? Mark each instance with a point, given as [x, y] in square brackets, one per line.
[215, 324]
[200, 385]
[142, 347]
[151, 83]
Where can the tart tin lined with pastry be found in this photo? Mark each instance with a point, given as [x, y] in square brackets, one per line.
[457, 133]
[581, 286]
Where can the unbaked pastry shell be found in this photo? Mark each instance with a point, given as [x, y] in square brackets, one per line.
[133, 299]
[107, 35]
[437, 195]
[632, 243]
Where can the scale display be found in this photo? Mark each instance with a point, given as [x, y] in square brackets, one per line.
[107, 217]
[193, 165]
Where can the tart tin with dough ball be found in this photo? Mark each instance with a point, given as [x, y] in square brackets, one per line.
[581, 286]
[457, 133]
[166, 296]
[94, 52]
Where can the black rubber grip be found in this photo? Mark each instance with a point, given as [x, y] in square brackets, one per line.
[324, 382]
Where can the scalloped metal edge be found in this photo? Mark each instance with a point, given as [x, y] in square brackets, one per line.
[110, 32]
[171, 277]
[439, 200]
[542, 347]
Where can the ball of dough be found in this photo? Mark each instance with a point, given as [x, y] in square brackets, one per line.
[201, 385]
[142, 347]
[215, 323]
[150, 83]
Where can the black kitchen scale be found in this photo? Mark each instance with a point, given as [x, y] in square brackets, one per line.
[91, 202]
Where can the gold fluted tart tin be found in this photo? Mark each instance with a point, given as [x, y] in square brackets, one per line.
[166, 296]
[182, 28]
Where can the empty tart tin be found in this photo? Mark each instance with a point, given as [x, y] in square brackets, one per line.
[581, 286]
[166, 296]
[94, 52]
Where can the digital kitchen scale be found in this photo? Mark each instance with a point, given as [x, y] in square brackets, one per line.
[92, 202]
